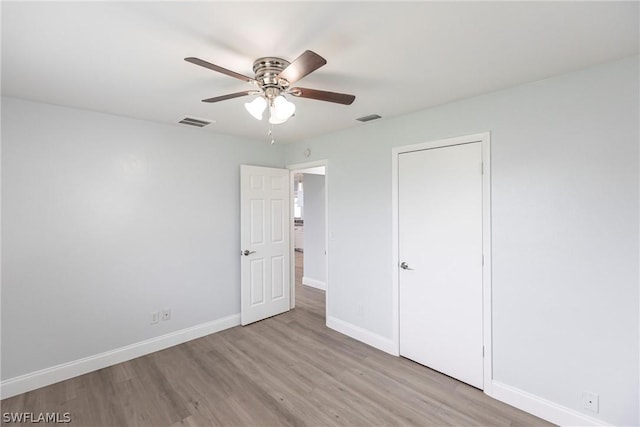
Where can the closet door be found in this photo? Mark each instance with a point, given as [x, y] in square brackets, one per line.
[440, 253]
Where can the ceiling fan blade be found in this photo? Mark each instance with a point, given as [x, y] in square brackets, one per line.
[301, 66]
[322, 95]
[219, 69]
[230, 96]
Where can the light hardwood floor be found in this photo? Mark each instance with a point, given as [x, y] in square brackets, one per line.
[286, 370]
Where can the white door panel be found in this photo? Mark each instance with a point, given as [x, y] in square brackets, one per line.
[440, 240]
[264, 236]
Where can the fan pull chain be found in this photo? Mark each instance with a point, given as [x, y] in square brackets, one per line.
[270, 134]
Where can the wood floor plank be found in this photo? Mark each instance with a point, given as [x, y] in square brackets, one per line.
[289, 370]
[291, 390]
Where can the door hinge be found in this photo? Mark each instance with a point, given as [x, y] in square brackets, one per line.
[481, 168]
[483, 260]
[482, 351]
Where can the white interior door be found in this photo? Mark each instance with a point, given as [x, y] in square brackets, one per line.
[264, 237]
[440, 251]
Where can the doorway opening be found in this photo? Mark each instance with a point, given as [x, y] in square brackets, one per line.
[309, 237]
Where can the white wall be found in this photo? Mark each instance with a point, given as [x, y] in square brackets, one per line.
[106, 219]
[314, 272]
[565, 230]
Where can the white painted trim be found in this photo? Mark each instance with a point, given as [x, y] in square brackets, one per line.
[64, 371]
[308, 165]
[487, 278]
[294, 168]
[485, 140]
[314, 283]
[447, 142]
[363, 335]
[395, 249]
[542, 408]
[292, 243]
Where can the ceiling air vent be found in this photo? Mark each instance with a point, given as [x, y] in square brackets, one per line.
[369, 118]
[194, 122]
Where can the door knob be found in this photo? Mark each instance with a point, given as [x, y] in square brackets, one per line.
[247, 252]
[405, 266]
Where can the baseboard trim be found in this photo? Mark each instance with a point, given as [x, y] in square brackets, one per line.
[363, 335]
[54, 374]
[318, 284]
[542, 408]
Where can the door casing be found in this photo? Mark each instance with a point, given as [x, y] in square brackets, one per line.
[485, 140]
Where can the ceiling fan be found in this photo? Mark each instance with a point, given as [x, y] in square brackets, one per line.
[273, 79]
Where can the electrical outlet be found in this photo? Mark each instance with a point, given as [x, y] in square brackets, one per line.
[166, 314]
[154, 317]
[590, 401]
[359, 310]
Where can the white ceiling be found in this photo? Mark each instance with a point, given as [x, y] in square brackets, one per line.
[126, 58]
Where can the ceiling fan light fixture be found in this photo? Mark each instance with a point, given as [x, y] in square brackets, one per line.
[274, 119]
[281, 110]
[273, 78]
[256, 107]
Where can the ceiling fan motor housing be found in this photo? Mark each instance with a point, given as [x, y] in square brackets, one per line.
[267, 70]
